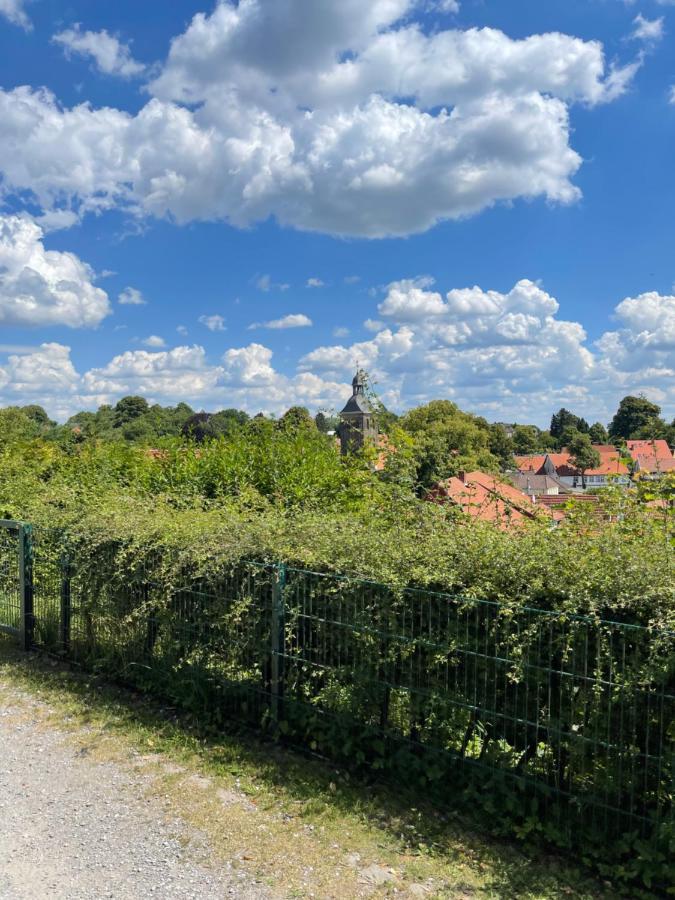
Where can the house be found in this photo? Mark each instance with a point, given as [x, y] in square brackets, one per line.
[656, 449]
[489, 499]
[612, 469]
[534, 485]
[653, 466]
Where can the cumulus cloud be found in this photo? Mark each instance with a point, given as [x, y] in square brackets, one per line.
[154, 341]
[315, 283]
[311, 128]
[293, 320]
[650, 31]
[109, 54]
[213, 323]
[14, 12]
[646, 339]
[508, 355]
[181, 372]
[245, 377]
[44, 287]
[44, 375]
[131, 297]
[505, 355]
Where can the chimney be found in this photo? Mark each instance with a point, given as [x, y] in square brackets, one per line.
[462, 476]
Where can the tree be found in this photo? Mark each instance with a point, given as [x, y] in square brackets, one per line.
[16, 426]
[583, 455]
[568, 437]
[128, 409]
[227, 421]
[37, 414]
[598, 433]
[500, 445]
[526, 439]
[447, 441]
[564, 420]
[295, 418]
[633, 414]
[197, 427]
[321, 422]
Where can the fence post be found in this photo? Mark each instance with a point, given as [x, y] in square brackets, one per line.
[278, 640]
[25, 538]
[66, 602]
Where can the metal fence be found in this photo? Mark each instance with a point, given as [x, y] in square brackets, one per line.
[567, 723]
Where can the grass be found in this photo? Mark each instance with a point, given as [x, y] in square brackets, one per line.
[295, 823]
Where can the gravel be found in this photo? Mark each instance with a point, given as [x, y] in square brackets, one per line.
[72, 828]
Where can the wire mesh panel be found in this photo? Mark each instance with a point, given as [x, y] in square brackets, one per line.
[572, 716]
[567, 723]
[10, 579]
[206, 646]
[50, 619]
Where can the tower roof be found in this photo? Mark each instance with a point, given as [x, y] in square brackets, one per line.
[358, 402]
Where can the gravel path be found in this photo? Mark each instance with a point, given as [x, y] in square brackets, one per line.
[72, 828]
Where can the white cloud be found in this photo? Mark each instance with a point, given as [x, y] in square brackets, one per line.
[182, 372]
[213, 323]
[292, 320]
[13, 11]
[131, 297]
[250, 379]
[43, 375]
[265, 283]
[648, 30]
[154, 341]
[310, 128]
[44, 287]
[646, 340]
[373, 325]
[181, 329]
[340, 331]
[445, 6]
[315, 283]
[108, 53]
[506, 356]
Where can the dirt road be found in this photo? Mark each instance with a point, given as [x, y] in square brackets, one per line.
[72, 828]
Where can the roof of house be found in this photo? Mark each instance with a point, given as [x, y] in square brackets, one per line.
[659, 449]
[530, 463]
[610, 463]
[556, 504]
[487, 498]
[655, 464]
[529, 482]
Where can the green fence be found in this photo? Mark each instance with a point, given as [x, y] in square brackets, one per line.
[555, 724]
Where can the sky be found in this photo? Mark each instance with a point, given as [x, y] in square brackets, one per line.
[232, 204]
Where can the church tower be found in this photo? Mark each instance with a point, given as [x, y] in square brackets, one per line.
[357, 419]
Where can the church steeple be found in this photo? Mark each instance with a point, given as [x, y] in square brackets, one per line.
[359, 383]
[357, 418]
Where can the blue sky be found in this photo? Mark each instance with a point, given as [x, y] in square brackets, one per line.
[229, 204]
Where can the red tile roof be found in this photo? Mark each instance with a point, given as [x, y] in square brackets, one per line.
[655, 464]
[487, 498]
[659, 449]
[610, 462]
[530, 463]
